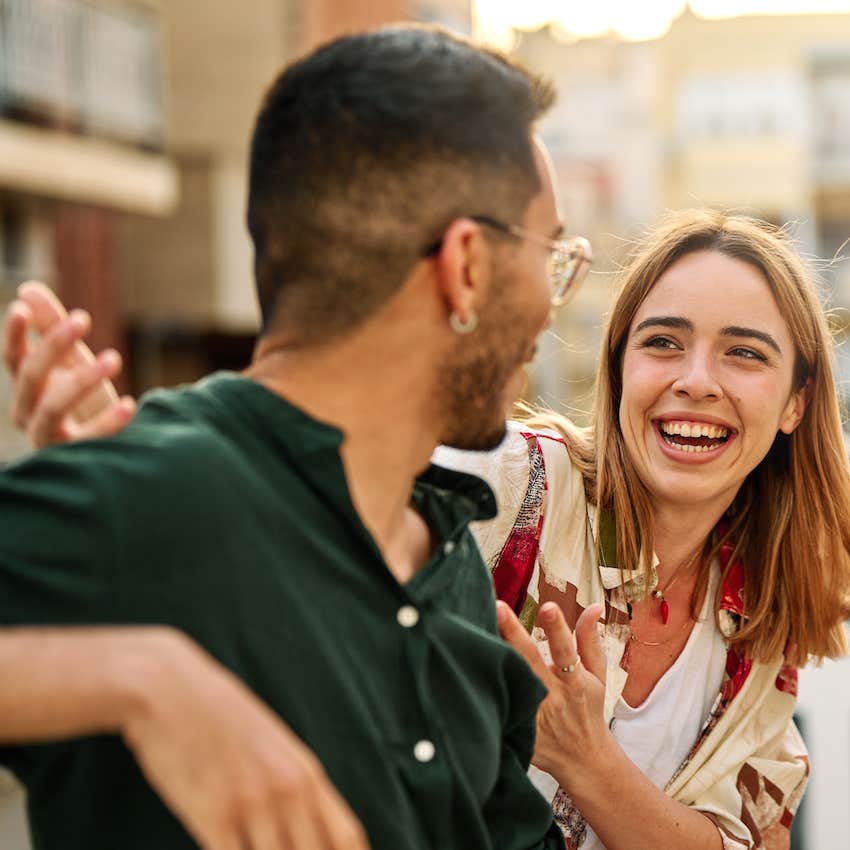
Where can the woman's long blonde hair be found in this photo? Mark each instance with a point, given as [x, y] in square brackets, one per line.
[790, 521]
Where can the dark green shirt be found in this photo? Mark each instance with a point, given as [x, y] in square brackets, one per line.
[224, 511]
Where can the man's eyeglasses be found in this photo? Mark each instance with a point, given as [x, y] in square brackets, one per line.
[569, 259]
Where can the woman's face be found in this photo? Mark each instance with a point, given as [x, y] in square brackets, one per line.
[707, 381]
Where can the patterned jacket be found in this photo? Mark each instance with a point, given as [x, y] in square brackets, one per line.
[748, 766]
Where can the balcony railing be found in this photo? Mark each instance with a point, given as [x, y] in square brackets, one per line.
[89, 66]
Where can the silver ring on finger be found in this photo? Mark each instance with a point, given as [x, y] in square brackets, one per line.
[571, 668]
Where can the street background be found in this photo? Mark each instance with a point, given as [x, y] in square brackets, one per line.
[123, 142]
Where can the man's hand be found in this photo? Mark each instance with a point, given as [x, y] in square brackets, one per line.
[571, 730]
[231, 771]
[60, 390]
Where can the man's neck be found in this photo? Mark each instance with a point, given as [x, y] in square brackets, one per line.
[376, 392]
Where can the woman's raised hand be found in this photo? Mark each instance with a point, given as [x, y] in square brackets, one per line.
[61, 391]
[571, 730]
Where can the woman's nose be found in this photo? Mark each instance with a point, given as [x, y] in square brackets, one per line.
[698, 379]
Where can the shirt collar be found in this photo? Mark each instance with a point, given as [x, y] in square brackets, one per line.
[631, 583]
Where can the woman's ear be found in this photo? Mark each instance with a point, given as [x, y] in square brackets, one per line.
[795, 408]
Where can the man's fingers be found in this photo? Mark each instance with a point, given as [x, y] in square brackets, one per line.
[513, 632]
[46, 308]
[62, 392]
[262, 832]
[298, 826]
[342, 829]
[15, 329]
[588, 643]
[115, 418]
[37, 364]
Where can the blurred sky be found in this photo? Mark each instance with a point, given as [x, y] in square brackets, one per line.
[634, 19]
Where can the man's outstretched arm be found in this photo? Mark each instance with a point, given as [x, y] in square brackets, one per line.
[220, 759]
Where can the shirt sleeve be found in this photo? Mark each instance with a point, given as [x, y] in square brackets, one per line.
[58, 542]
[750, 779]
[763, 798]
[518, 817]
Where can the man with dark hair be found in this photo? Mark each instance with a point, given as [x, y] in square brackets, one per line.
[416, 136]
[284, 525]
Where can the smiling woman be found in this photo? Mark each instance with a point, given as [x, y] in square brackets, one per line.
[690, 375]
[706, 516]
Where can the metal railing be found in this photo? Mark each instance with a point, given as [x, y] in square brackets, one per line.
[86, 66]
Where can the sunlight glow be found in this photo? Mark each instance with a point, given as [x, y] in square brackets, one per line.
[494, 19]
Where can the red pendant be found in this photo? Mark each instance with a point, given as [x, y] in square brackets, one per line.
[665, 611]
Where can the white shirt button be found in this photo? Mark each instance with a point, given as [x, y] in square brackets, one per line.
[407, 616]
[424, 751]
[448, 547]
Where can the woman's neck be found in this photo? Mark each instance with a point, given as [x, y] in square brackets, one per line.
[680, 535]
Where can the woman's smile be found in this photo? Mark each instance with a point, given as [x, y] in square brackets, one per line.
[692, 440]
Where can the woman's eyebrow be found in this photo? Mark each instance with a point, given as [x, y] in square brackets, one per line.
[681, 323]
[678, 322]
[766, 338]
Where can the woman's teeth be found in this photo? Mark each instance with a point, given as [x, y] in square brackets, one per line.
[694, 429]
[693, 436]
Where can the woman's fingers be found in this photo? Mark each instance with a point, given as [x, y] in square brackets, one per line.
[515, 634]
[566, 647]
[562, 642]
[588, 643]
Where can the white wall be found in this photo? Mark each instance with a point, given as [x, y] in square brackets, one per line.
[824, 710]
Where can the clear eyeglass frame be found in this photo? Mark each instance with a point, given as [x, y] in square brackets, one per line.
[569, 258]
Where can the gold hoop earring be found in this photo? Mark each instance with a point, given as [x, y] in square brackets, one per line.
[463, 326]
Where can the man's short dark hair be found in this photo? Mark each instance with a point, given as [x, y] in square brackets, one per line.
[364, 151]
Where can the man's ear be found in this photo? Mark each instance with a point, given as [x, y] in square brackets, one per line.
[795, 408]
[463, 268]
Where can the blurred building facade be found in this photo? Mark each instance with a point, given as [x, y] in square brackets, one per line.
[82, 135]
[748, 113]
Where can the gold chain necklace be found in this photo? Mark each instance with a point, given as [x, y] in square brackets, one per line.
[658, 592]
[636, 639]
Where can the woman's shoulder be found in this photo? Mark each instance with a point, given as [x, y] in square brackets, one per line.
[510, 465]
[532, 476]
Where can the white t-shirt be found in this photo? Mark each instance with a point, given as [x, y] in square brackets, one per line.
[658, 734]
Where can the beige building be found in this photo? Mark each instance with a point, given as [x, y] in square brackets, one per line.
[82, 133]
[748, 113]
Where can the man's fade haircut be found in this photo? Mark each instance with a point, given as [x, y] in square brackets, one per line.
[364, 151]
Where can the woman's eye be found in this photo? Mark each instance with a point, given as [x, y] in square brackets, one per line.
[748, 354]
[658, 342]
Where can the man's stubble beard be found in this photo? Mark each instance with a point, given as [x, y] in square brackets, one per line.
[472, 390]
